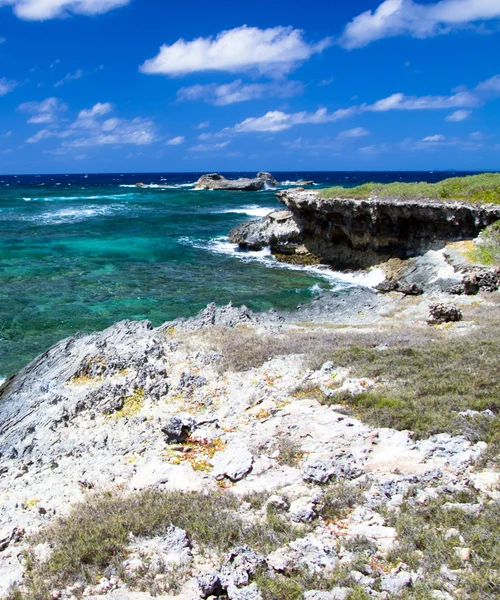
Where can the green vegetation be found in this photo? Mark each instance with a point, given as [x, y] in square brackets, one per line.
[95, 534]
[339, 500]
[424, 387]
[431, 536]
[487, 247]
[483, 188]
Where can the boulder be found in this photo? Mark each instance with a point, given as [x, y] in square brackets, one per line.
[443, 313]
[279, 230]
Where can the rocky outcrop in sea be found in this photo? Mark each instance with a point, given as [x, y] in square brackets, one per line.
[214, 181]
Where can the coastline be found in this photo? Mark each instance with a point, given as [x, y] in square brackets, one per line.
[298, 424]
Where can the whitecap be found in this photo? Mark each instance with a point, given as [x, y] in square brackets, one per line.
[336, 279]
[253, 210]
[73, 215]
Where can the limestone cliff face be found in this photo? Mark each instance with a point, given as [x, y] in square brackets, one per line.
[350, 233]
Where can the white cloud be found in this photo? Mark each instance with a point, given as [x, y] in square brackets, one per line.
[203, 125]
[434, 138]
[6, 86]
[46, 111]
[276, 120]
[459, 115]
[276, 50]
[405, 17]
[357, 132]
[40, 10]
[402, 102]
[209, 147]
[78, 74]
[491, 85]
[90, 129]
[463, 98]
[230, 93]
[176, 141]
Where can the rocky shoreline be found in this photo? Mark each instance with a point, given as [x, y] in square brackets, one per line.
[247, 409]
[356, 234]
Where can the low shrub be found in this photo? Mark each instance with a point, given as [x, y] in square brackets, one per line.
[483, 188]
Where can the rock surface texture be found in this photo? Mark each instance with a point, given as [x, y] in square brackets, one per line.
[214, 181]
[136, 407]
[349, 233]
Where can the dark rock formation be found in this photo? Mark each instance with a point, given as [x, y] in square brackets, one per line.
[214, 181]
[349, 233]
[443, 313]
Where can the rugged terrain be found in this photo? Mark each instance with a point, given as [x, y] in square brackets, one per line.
[253, 470]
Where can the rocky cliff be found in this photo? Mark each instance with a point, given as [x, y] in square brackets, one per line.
[349, 233]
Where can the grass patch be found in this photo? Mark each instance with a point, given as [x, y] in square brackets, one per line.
[424, 544]
[292, 585]
[339, 500]
[132, 405]
[484, 188]
[487, 248]
[289, 451]
[95, 534]
[241, 348]
[424, 387]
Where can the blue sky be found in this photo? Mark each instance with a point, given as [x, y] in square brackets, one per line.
[153, 85]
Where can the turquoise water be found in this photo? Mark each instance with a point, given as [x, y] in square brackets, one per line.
[78, 253]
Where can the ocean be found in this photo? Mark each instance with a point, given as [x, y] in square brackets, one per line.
[80, 252]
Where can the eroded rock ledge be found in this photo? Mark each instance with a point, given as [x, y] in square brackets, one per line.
[351, 234]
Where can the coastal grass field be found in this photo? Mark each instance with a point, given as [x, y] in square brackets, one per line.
[483, 188]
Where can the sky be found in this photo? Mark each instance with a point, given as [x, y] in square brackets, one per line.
[163, 86]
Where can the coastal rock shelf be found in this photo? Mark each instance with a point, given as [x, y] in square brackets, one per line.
[350, 233]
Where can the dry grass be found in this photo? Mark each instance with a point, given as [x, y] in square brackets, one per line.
[95, 534]
[242, 348]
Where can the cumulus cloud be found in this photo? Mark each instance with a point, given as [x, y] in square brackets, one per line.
[277, 120]
[6, 86]
[274, 51]
[459, 115]
[40, 10]
[93, 128]
[406, 17]
[175, 141]
[46, 111]
[230, 93]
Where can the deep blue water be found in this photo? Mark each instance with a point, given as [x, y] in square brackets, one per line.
[79, 252]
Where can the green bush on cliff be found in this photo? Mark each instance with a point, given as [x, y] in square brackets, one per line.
[487, 247]
[484, 188]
